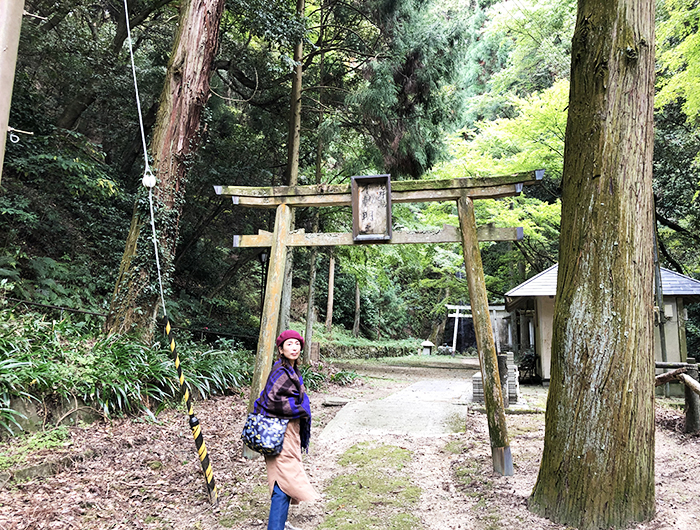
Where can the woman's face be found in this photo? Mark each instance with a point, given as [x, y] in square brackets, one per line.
[291, 349]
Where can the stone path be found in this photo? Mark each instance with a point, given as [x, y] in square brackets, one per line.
[426, 408]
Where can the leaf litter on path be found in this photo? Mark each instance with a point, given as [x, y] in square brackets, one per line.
[134, 474]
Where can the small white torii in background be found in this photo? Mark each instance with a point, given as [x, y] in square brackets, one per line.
[457, 315]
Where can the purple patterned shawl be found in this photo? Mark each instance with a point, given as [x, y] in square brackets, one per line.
[284, 396]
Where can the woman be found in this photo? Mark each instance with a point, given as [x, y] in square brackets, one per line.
[284, 396]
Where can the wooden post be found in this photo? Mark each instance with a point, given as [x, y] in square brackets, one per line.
[692, 400]
[10, 24]
[503, 374]
[493, 398]
[682, 340]
[271, 310]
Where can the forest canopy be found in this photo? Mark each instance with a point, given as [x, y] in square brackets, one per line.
[413, 88]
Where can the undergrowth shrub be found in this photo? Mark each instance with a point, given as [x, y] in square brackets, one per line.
[316, 376]
[344, 377]
[47, 359]
[313, 379]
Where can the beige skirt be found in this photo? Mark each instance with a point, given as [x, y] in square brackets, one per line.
[287, 470]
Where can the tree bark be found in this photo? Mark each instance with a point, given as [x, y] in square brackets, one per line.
[597, 469]
[175, 138]
[331, 286]
[356, 323]
[309, 333]
[295, 110]
[74, 110]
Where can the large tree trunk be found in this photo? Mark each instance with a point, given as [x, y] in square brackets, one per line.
[75, 109]
[597, 469]
[175, 138]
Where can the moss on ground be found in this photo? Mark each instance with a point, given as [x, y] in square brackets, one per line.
[14, 453]
[372, 491]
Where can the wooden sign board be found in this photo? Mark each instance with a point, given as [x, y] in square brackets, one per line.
[371, 208]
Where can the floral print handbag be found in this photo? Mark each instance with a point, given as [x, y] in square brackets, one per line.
[264, 435]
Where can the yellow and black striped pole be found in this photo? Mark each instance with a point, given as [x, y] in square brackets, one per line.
[194, 422]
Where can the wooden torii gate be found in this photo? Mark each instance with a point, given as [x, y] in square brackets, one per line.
[369, 197]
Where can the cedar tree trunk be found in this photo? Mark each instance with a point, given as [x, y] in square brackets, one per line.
[597, 469]
[136, 296]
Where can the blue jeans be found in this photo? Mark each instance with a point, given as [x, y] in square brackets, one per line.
[279, 508]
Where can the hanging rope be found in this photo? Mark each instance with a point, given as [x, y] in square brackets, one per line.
[149, 181]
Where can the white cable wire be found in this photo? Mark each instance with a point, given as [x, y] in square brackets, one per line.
[149, 179]
[155, 247]
[136, 90]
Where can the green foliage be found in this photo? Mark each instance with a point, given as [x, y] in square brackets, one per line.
[61, 221]
[344, 377]
[412, 93]
[313, 379]
[676, 189]
[269, 21]
[537, 36]
[532, 139]
[386, 83]
[118, 374]
[215, 370]
[679, 56]
[78, 162]
[17, 209]
[10, 386]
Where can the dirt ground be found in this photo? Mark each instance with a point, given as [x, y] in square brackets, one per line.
[137, 474]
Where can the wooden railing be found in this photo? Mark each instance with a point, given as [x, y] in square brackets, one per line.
[687, 374]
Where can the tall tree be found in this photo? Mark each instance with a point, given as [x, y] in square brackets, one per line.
[293, 140]
[597, 469]
[331, 286]
[176, 135]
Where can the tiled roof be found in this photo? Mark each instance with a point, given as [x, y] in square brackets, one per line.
[545, 284]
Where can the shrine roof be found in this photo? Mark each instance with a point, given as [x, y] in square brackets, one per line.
[545, 284]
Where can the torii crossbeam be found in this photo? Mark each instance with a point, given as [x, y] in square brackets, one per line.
[461, 190]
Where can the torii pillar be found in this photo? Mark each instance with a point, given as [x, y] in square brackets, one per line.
[488, 359]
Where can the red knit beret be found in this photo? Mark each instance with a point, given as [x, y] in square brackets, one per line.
[289, 334]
